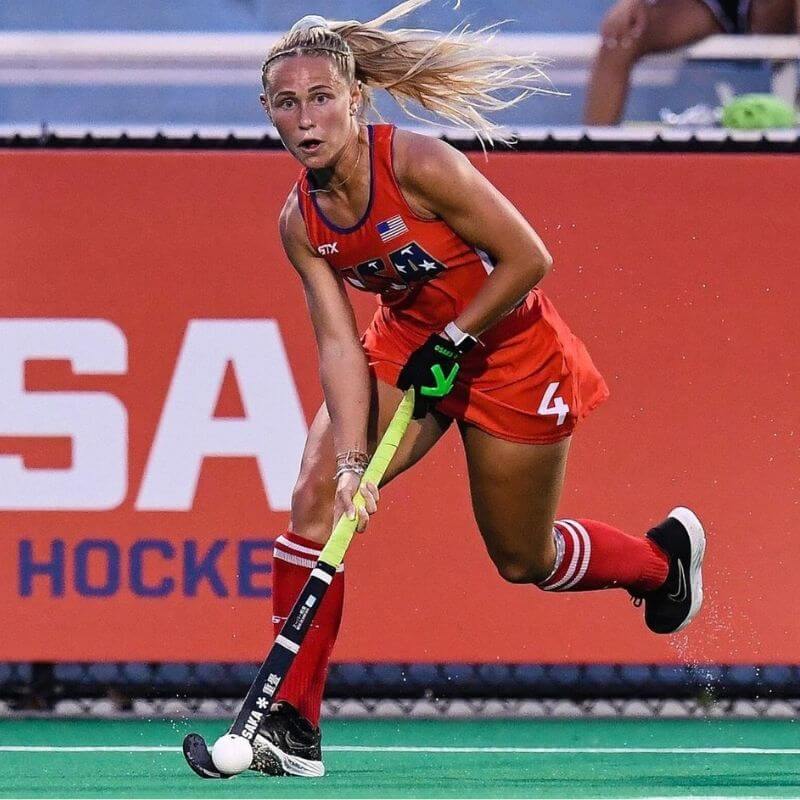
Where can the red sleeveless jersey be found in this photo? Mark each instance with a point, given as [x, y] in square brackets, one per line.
[530, 382]
[423, 272]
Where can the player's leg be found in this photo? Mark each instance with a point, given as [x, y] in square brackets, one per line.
[515, 492]
[312, 498]
[665, 25]
[311, 523]
[292, 724]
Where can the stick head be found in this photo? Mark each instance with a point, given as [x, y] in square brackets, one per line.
[197, 756]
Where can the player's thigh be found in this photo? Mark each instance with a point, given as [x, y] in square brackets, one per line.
[312, 499]
[515, 491]
[676, 23]
[774, 16]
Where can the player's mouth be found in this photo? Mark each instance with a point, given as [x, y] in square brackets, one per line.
[310, 146]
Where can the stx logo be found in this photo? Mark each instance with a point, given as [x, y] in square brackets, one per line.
[328, 249]
[272, 430]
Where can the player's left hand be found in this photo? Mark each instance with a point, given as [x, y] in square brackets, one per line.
[431, 370]
[346, 488]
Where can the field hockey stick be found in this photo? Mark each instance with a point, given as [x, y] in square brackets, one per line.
[287, 644]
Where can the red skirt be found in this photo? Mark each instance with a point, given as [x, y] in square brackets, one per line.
[530, 382]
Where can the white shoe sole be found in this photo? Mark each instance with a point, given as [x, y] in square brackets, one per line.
[697, 540]
[293, 765]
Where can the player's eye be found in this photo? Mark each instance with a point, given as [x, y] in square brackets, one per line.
[287, 102]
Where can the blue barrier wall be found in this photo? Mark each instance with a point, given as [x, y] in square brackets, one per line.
[254, 15]
[238, 105]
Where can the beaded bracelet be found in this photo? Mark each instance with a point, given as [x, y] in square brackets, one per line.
[341, 471]
[351, 461]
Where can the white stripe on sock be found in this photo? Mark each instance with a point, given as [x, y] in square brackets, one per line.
[573, 563]
[298, 561]
[293, 559]
[284, 542]
[587, 553]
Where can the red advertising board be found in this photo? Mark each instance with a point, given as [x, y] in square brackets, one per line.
[158, 373]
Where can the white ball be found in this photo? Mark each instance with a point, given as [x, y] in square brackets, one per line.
[232, 754]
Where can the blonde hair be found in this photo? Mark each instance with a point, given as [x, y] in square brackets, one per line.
[457, 75]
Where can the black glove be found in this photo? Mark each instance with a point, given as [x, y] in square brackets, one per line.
[431, 370]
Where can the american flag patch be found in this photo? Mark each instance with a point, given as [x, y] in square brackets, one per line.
[391, 228]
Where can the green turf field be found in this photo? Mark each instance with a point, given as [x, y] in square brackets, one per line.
[437, 758]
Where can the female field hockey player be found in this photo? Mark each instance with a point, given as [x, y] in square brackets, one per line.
[455, 267]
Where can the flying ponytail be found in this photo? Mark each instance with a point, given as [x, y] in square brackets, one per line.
[457, 76]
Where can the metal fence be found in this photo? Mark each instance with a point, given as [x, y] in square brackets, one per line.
[181, 689]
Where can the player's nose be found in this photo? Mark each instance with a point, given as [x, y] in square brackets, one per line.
[306, 121]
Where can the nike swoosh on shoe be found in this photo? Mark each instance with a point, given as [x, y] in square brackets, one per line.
[681, 594]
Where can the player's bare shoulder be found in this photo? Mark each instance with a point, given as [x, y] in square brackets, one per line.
[426, 167]
[420, 158]
[294, 236]
[290, 221]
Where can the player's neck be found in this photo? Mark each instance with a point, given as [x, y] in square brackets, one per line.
[343, 181]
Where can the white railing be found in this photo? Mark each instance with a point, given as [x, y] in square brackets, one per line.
[38, 57]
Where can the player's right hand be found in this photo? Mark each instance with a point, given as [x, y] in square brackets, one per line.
[624, 23]
[431, 369]
[346, 488]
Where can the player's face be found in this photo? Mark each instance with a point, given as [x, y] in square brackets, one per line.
[309, 103]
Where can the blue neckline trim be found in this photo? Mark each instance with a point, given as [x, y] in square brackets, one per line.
[366, 214]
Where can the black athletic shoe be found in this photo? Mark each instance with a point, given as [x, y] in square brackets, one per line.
[287, 744]
[674, 605]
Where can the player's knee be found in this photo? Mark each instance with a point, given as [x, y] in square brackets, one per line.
[513, 571]
[532, 563]
[523, 569]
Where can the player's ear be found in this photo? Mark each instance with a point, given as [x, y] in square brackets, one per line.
[355, 97]
[265, 105]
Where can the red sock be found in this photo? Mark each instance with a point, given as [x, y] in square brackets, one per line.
[293, 558]
[593, 555]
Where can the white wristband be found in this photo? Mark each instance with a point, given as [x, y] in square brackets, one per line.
[456, 335]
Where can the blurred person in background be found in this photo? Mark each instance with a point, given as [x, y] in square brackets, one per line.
[635, 28]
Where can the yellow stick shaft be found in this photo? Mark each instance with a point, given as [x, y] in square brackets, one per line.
[336, 547]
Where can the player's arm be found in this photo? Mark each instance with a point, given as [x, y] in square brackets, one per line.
[342, 362]
[443, 182]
